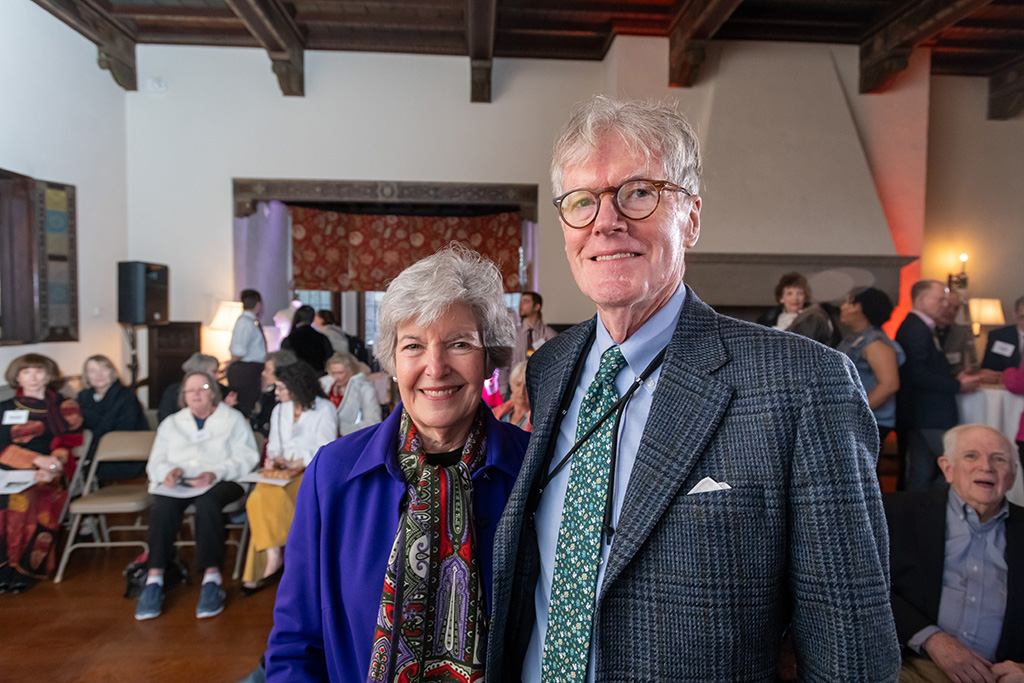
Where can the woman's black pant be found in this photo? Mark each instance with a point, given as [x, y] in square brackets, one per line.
[165, 519]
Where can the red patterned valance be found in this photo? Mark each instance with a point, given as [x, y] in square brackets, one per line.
[340, 252]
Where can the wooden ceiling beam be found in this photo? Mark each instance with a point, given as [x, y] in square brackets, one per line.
[1006, 91]
[274, 28]
[693, 25]
[114, 42]
[885, 51]
[481, 19]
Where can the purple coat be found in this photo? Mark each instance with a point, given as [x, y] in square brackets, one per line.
[346, 517]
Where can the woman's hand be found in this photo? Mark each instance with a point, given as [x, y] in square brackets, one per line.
[45, 476]
[203, 480]
[48, 463]
[275, 462]
[173, 477]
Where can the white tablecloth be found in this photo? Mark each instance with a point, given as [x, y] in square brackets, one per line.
[998, 408]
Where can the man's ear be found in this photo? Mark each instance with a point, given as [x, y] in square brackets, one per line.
[692, 230]
[945, 464]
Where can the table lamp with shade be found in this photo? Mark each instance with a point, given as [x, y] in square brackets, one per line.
[988, 312]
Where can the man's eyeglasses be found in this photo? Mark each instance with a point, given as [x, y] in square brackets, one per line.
[634, 199]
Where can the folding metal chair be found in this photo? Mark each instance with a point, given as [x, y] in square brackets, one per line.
[113, 499]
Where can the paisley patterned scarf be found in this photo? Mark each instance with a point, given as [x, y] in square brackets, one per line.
[432, 620]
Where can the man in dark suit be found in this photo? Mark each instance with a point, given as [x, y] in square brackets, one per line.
[1003, 348]
[730, 498]
[958, 565]
[308, 344]
[926, 402]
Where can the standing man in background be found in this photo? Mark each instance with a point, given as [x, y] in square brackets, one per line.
[696, 486]
[248, 349]
[926, 402]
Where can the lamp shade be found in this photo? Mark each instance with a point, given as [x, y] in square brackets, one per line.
[227, 314]
[987, 312]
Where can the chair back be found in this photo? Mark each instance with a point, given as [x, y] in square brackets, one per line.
[120, 446]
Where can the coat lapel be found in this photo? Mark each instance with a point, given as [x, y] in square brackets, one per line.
[687, 408]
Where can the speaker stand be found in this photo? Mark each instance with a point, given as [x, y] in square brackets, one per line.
[133, 354]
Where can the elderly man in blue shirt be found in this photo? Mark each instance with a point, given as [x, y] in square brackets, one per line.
[957, 563]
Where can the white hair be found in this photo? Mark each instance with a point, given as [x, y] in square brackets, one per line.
[648, 128]
[951, 437]
[428, 288]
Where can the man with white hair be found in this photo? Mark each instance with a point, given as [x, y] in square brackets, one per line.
[957, 559]
[696, 487]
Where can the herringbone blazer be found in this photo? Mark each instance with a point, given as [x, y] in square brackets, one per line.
[702, 587]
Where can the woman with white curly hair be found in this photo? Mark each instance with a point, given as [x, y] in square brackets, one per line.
[394, 524]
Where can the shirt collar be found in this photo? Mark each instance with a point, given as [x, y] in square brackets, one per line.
[969, 515]
[927, 320]
[643, 345]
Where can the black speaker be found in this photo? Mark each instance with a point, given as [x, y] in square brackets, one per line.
[141, 293]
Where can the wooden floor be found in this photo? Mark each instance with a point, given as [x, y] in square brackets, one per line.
[84, 629]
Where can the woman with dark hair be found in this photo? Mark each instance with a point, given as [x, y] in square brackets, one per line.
[394, 527]
[302, 422]
[109, 406]
[878, 358]
[793, 294]
[40, 427]
[207, 446]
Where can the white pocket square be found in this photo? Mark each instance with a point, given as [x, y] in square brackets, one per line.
[708, 484]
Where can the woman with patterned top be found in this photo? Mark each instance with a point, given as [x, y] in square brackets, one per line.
[40, 428]
[878, 358]
[388, 564]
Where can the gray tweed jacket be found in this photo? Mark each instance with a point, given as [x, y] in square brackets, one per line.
[703, 587]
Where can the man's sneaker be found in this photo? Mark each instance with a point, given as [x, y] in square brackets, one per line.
[150, 602]
[211, 600]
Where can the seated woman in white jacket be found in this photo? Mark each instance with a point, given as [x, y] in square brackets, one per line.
[351, 392]
[300, 424]
[207, 445]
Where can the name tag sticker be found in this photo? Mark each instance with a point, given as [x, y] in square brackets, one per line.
[953, 357]
[15, 417]
[1003, 349]
[201, 436]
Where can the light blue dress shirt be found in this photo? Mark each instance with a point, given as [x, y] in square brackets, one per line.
[247, 340]
[973, 598]
[639, 350]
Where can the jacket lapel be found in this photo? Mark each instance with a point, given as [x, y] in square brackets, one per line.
[1010, 641]
[931, 538]
[687, 408]
[548, 388]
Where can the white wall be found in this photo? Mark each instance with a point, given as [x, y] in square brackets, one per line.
[975, 191]
[157, 167]
[364, 117]
[62, 119]
[797, 180]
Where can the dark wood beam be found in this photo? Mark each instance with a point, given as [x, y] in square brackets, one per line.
[693, 25]
[114, 42]
[481, 16]
[274, 28]
[1006, 91]
[885, 51]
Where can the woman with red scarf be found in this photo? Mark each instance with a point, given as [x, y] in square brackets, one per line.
[38, 431]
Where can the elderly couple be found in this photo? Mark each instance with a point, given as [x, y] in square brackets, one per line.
[697, 490]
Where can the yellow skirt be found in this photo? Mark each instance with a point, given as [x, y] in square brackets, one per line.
[270, 510]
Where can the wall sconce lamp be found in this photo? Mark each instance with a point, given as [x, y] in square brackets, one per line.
[958, 280]
[227, 314]
[985, 312]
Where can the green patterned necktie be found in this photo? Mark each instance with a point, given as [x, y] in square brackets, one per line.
[574, 585]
